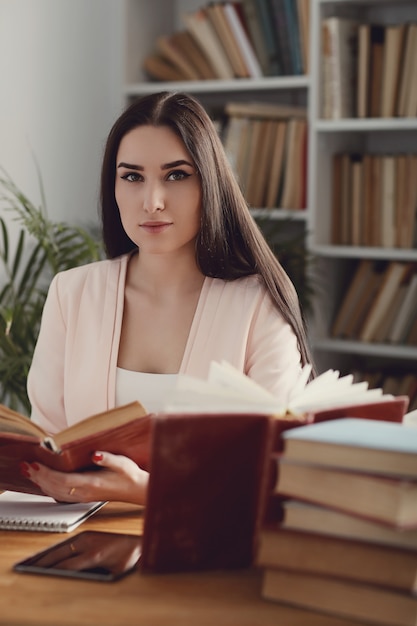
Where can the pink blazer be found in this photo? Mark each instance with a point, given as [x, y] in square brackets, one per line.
[73, 371]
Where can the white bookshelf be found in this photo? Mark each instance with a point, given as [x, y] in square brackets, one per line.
[332, 264]
[328, 136]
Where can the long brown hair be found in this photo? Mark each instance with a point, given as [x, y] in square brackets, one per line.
[230, 244]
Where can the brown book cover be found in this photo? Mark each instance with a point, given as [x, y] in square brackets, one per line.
[198, 24]
[207, 481]
[217, 16]
[363, 73]
[390, 566]
[276, 165]
[123, 430]
[406, 74]
[377, 51]
[166, 47]
[386, 499]
[158, 68]
[355, 295]
[294, 514]
[190, 48]
[391, 68]
[392, 278]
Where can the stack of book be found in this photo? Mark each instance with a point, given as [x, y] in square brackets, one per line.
[227, 40]
[374, 199]
[267, 147]
[369, 70]
[340, 531]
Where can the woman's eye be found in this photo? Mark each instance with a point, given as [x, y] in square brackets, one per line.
[132, 177]
[178, 175]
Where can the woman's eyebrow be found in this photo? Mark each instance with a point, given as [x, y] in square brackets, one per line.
[168, 166]
[165, 166]
[129, 166]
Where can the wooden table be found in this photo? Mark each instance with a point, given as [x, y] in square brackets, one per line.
[192, 599]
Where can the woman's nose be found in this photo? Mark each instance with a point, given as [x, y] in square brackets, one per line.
[153, 198]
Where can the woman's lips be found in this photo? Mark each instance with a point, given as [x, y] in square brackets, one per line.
[155, 227]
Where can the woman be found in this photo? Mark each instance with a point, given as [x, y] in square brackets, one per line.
[189, 279]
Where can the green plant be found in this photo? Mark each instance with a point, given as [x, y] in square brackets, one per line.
[41, 249]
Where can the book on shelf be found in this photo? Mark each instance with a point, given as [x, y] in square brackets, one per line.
[373, 199]
[260, 164]
[339, 54]
[357, 299]
[405, 313]
[373, 233]
[303, 9]
[221, 25]
[357, 211]
[324, 555]
[265, 110]
[336, 199]
[159, 68]
[392, 277]
[293, 26]
[166, 47]
[236, 19]
[373, 604]
[406, 199]
[189, 47]
[405, 81]
[233, 138]
[24, 511]
[363, 70]
[388, 207]
[377, 36]
[276, 165]
[411, 98]
[281, 26]
[123, 430]
[201, 28]
[383, 330]
[294, 175]
[253, 193]
[291, 514]
[254, 28]
[264, 16]
[391, 68]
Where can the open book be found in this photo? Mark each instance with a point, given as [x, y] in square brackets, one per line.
[227, 390]
[123, 430]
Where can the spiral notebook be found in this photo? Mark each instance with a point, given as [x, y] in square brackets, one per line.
[24, 511]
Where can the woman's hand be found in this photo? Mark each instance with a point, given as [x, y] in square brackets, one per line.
[119, 479]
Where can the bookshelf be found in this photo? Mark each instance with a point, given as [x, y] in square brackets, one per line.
[333, 265]
[336, 263]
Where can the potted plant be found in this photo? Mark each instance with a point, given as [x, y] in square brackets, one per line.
[43, 248]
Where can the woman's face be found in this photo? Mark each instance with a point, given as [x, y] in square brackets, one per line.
[158, 190]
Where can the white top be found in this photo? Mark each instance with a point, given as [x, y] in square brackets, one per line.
[150, 390]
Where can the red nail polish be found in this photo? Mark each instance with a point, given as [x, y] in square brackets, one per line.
[23, 466]
[35, 466]
[97, 456]
[24, 472]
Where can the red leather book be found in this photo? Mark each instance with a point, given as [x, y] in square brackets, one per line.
[123, 430]
[208, 479]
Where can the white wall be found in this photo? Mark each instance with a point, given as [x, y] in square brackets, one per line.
[61, 73]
